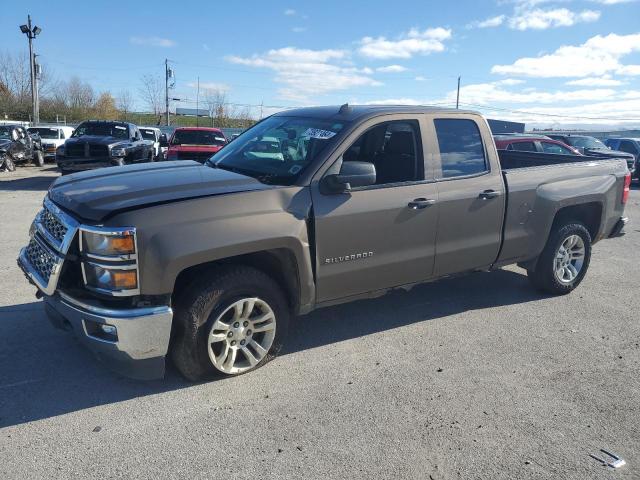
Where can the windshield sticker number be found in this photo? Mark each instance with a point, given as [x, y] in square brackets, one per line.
[318, 133]
[120, 128]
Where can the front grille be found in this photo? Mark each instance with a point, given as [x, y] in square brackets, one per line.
[98, 151]
[75, 150]
[40, 259]
[197, 156]
[54, 226]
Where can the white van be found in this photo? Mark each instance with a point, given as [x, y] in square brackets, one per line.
[52, 137]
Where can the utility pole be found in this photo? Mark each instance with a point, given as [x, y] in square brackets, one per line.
[31, 33]
[198, 104]
[37, 76]
[458, 95]
[261, 105]
[166, 89]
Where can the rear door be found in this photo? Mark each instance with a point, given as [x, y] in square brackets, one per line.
[382, 235]
[471, 196]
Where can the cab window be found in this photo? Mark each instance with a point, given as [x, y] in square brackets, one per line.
[395, 150]
[555, 148]
[461, 147]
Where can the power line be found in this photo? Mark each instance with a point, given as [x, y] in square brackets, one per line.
[522, 112]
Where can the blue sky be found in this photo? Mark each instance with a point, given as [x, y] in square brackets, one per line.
[575, 61]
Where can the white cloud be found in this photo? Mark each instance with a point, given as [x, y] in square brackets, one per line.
[612, 2]
[605, 81]
[539, 19]
[290, 12]
[152, 41]
[597, 56]
[489, 22]
[392, 69]
[299, 29]
[210, 86]
[420, 78]
[308, 73]
[494, 93]
[510, 81]
[408, 44]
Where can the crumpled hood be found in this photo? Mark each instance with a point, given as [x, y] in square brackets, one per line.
[97, 194]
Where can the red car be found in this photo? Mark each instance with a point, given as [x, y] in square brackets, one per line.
[533, 143]
[195, 143]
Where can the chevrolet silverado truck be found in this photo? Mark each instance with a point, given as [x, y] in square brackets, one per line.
[103, 143]
[210, 262]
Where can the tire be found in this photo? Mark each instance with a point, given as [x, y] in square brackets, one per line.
[560, 281]
[199, 313]
[39, 159]
[8, 164]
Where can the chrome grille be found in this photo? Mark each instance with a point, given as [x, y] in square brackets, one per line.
[40, 259]
[53, 225]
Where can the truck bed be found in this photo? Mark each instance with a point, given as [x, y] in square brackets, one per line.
[539, 184]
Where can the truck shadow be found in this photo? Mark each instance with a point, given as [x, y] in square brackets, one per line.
[32, 184]
[45, 373]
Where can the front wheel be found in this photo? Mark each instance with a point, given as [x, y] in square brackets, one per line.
[8, 164]
[564, 261]
[39, 158]
[231, 324]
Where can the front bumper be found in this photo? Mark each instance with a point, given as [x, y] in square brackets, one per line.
[138, 346]
[81, 164]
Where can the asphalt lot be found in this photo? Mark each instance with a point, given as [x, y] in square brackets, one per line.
[473, 377]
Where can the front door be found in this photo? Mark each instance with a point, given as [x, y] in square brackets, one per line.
[382, 235]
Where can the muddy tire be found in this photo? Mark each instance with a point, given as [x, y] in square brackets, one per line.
[230, 323]
[8, 164]
[38, 159]
[564, 261]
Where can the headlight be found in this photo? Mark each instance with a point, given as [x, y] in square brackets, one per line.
[112, 279]
[109, 260]
[118, 152]
[109, 244]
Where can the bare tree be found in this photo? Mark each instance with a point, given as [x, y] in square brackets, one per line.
[124, 102]
[152, 93]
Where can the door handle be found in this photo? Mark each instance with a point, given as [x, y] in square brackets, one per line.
[488, 194]
[420, 203]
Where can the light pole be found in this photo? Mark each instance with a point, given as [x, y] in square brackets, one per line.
[31, 33]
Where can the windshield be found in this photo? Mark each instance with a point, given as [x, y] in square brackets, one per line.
[277, 149]
[5, 132]
[102, 130]
[585, 142]
[46, 133]
[148, 134]
[198, 137]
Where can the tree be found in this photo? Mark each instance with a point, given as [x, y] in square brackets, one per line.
[152, 93]
[216, 102]
[105, 107]
[125, 102]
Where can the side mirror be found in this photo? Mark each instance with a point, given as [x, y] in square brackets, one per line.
[352, 175]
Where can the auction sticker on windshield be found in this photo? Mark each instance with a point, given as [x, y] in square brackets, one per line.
[318, 133]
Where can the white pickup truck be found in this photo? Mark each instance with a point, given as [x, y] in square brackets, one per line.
[52, 137]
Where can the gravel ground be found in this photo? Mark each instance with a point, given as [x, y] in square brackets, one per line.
[474, 377]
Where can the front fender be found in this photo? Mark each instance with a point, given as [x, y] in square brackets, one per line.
[175, 236]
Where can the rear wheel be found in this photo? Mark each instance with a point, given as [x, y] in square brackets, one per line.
[232, 323]
[564, 261]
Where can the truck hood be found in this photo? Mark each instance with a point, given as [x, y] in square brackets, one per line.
[98, 194]
[605, 152]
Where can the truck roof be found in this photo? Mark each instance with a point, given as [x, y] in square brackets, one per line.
[353, 112]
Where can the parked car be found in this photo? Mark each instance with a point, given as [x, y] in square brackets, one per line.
[18, 146]
[103, 143]
[51, 137]
[533, 143]
[627, 145]
[591, 146]
[195, 143]
[153, 135]
[218, 257]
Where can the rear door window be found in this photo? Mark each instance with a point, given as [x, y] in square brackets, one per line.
[461, 148]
